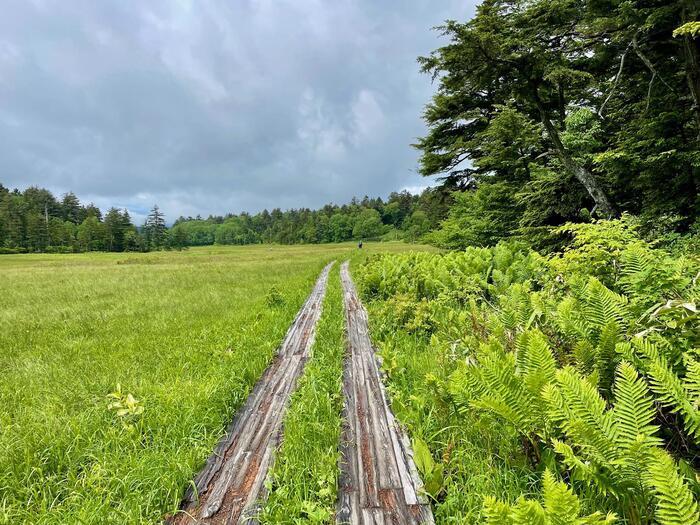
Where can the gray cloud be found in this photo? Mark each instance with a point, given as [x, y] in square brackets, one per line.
[211, 106]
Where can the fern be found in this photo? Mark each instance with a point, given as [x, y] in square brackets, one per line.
[535, 361]
[606, 356]
[580, 470]
[648, 275]
[510, 385]
[580, 412]
[584, 356]
[606, 448]
[637, 266]
[634, 409]
[673, 394]
[497, 512]
[570, 320]
[505, 394]
[679, 395]
[675, 502]
[547, 347]
[560, 507]
[692, 381]
[602, 306]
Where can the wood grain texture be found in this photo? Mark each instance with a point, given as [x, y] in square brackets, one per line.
[230, 487]
[379, 483]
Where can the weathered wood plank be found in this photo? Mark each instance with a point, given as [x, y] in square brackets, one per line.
[231, 485]
[379, 483]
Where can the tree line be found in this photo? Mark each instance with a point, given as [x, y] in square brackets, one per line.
[401, 216]
[34, 220]
[554, 111]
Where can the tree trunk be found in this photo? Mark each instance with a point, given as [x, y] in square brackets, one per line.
[691, 54]
[584, 176]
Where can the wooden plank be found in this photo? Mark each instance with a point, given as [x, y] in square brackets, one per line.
[230, 487]
[379, 483]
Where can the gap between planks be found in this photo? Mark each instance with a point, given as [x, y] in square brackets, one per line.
[379, 483]
[230, 487]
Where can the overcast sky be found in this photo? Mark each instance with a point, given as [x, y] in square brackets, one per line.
[211, 106]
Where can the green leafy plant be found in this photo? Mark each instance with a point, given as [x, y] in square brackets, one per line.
[125, 406]
[586, 363]
[560, 506]
[679, 393]
[432, 472]
[274, 297]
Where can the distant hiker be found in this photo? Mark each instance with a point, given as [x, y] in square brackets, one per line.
[360, 245]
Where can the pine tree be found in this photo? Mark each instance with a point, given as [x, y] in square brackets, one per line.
[70, 208]
[155, 228]
[114, 235]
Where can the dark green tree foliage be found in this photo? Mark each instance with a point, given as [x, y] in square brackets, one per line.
[564, 105]
[35, 221]
[402, 215]
[178, 237]
[117, 226]
[71, 210]
[155, 229]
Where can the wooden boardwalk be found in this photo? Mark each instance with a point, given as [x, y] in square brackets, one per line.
[231, 484]
[379, 483]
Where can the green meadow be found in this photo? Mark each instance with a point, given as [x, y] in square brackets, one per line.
[121, 371]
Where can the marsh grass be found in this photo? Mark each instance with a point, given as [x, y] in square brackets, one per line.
[185, 334]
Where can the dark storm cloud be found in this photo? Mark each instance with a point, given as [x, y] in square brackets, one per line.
[214, 106]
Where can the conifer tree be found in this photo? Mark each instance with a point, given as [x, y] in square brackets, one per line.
[155, 228]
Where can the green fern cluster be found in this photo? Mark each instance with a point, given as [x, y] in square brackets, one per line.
[560, 506]
[612, 450]
[676, 387]
[592, 358]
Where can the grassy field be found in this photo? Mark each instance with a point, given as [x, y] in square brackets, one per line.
[121, 371]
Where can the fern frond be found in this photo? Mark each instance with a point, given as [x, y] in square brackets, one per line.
[459, 388]
[669, 388]
[598, 519]
[634, 409]
[671, 391]
[502, 409]
[584, 356]
[675, 502]
[602, 306]
[692, 381]
[606, 356]
[570, 320]
[528, 512]
[535, 361]
[561, 507]
[626, 351]
[586, 419]
[496, 512]
[636, 264]
[561, 504]
[504, 393]
[580, 470]
[673, 395]
[635, 260]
